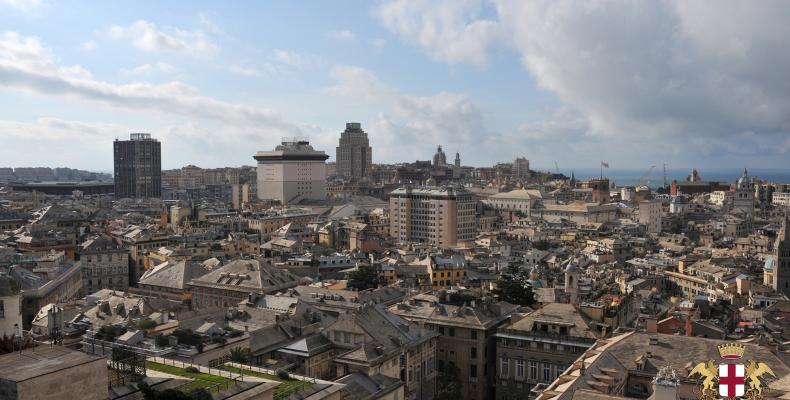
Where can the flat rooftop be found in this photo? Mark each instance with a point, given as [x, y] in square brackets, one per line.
[32, 363]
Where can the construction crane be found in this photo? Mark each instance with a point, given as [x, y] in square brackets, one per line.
[644, 180]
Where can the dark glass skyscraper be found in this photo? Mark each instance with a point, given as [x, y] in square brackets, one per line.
[138, 167]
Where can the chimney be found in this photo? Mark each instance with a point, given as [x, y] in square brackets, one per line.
[651, 324]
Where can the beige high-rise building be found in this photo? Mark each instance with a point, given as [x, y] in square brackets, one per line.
[354, 154]
[441, 216]
[521, 168]
[292, 172]
[650, 215]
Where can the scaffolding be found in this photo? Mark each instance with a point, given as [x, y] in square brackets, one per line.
[125, 367]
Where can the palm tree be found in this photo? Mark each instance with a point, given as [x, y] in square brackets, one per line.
[239, 355]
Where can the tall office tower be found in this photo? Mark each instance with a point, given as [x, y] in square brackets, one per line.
[138, 167]
[439, 159]
[354, 154]
[521, 168]
[294, 171]
[441, 216]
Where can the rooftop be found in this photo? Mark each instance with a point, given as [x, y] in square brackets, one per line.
[38, 361]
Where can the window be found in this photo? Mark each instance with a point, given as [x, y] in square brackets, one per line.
[474, 334]
[473, 371]
[520, 369]
[2, 309]
[441, 330]
[503, 367]
[452, 331]
[546, 373]
[473, 352]
[533, 370]
[440, 365]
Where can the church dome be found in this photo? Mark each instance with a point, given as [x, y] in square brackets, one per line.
[572, 266]
[745, 182]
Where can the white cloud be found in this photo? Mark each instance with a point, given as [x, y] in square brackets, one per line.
[88, 45]
[378, 43]
[452, 30]
[278, 63]
[294, 59]
[26, 64]
[148, 69]
[77, 144]
[146, 36]
[645, 71]
[23, 5]
[343, 34]
[244, 70]
[409, 124]
[211, 27]
[50, 128]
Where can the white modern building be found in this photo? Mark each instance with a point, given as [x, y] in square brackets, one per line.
[292, 172]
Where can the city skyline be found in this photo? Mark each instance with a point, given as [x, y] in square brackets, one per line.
[212, 82]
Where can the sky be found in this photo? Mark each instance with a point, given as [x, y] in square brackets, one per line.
[688, 83]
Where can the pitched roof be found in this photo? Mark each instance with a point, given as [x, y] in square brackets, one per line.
[555, 313]
[518, 194]
[173, 275]
[360, 386]
[483, 315]
[247, 276]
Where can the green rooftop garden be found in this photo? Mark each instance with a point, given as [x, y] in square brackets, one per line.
[287, 386]
[213, 383]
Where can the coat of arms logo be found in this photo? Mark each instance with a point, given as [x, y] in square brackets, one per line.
[731, 379]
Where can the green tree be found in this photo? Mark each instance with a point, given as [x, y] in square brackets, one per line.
[163, 341]
[146, 324]
[12, 343]
[363, 278]
[513, 287]
[449, 384]
[172, 394]
[109, 333]
[188, 337]
[462, 297]
[239, 355]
